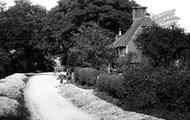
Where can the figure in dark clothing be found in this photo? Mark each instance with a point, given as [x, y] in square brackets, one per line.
[61, 76]
[68, 74]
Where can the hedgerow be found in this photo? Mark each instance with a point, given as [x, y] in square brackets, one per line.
[86, 76]
[163, 92]
[166, 90]
[113, 84]
[12, 103]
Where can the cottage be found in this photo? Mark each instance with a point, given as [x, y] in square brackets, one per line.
[125, 43]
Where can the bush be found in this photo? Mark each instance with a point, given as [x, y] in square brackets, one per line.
[140, 88]
[86, 76]
[12, 86]
[113, 84]
[166, 90]
[11, 109]
[163, 92]
[10, 90]
[2, 72]
[8, 107]
[12, 103]
[174, 91]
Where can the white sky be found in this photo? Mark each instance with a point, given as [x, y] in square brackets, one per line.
[182, 9]
[154, 6]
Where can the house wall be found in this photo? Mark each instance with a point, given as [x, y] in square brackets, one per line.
[132, 48]
[121, 51]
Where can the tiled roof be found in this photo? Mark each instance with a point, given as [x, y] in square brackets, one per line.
[127, 37]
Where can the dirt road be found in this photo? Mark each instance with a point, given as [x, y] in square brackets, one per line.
[45, 103]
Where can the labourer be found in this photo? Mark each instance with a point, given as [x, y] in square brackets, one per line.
[61, 76]
[72, 77]
[68, 74]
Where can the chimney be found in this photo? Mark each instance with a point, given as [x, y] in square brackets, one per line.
[138, 12]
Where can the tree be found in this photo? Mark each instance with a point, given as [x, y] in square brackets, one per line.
[17, 28]
[109, 14]
[54, 35]
[164, 45]
[92, 47]
[2, 6]
[67, 17]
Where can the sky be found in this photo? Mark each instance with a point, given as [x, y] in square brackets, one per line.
[182, 8]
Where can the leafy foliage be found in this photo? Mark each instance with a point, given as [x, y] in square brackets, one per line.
[110, 14]
[69, 16]
[125, 62]
[17, 25]
[2, 6]
[27, 31]
[86, 76]
[159, 91]
[113, 84]
[92, 47]
[164, 45]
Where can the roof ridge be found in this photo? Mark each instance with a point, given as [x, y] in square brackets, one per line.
[128, 36]
[128, 33]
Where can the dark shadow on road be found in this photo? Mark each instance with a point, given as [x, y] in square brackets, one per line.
[44, 73]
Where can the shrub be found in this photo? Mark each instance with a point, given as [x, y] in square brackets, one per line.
[140, 88]
[8, 107]
[2, 72]
[11, 92]
[86, 76]
[11, 109]
[166, 90]
[113, 84]
[12, 86]
[174, 91]
[125, 62]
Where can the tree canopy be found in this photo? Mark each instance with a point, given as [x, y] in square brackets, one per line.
[109, 14]
[29, 34]
[81, 32]
[67, 17]
[164, 45]
[92, 47]
[17, 28]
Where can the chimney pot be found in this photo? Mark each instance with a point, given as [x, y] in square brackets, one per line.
[120, 31]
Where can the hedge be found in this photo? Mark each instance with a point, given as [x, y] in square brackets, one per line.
[163, 92]
[113, 84]
[167, 90]
[12, 105]
[8, 107]
[86, 76]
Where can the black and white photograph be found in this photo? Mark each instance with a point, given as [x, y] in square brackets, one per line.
[94, 60]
